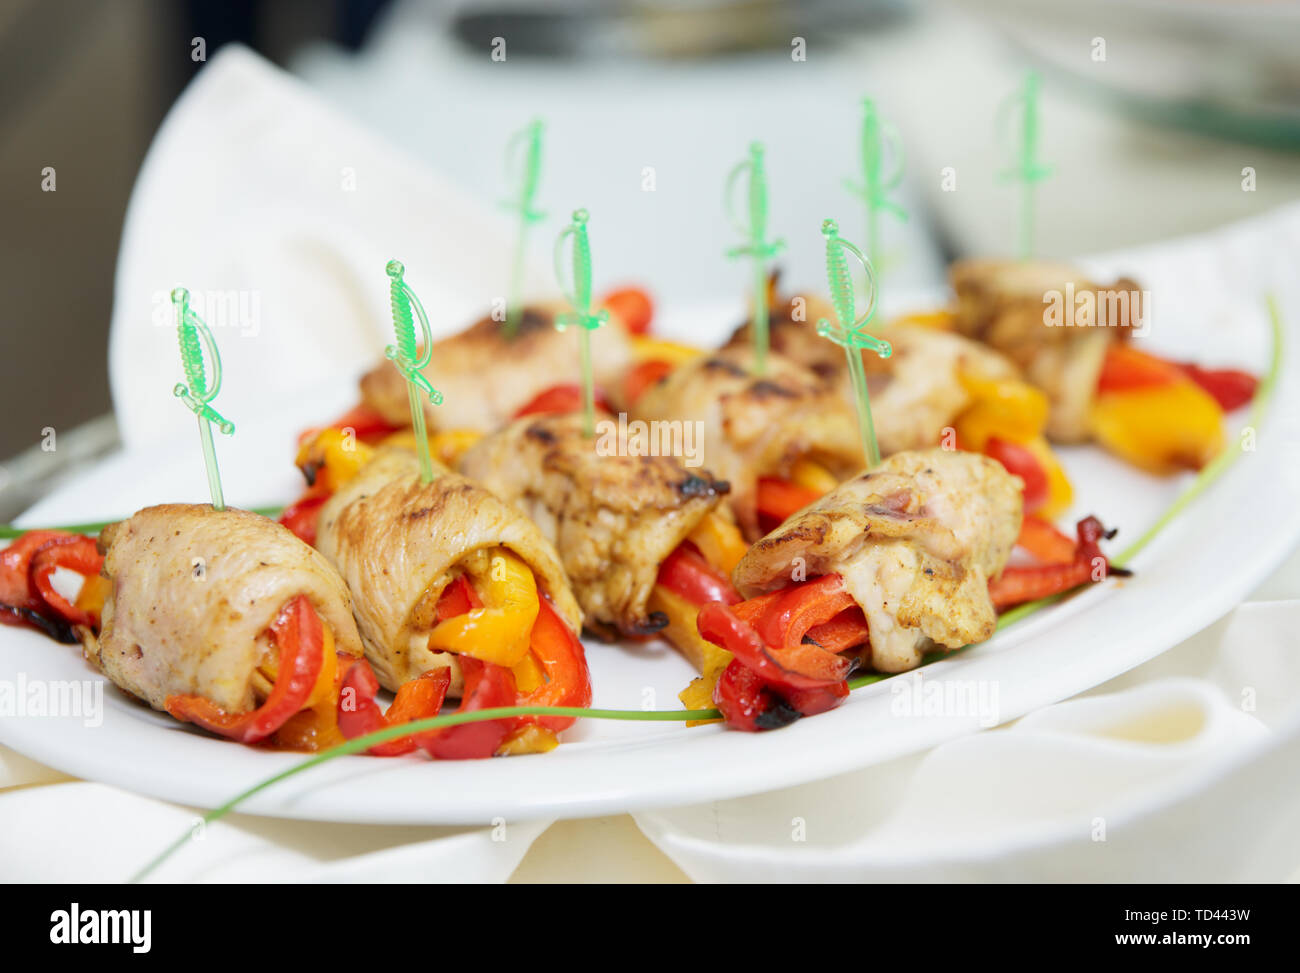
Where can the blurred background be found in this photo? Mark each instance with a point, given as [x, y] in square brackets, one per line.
[1159, 118]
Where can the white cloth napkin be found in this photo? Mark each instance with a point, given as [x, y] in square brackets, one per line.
[1181, 770]
[75, 831]
[279, 215]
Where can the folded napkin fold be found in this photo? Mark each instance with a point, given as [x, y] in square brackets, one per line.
[1187, 777]
[279, 213]
[84, 832]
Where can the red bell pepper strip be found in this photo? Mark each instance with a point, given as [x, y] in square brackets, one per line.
[368, 425]
[746, 702]
[778, 499]
[559, 398]
[417, 699]
[788, 618]
[842, 631]
[563, 662]
[752, 609]
[1020, 462]
[846, 630]
[790, 669]
[810, 702]
[633, 307]
[16, 587]
[299, 635]
[21, 603]
[1018, 585]
[1047, 544]
[80, 554]
[487, 686]
[798, 666]
[1229, 387]
[303, 515]
[556, 649]
[687, 573]
[457, 598]
[642, 376]
[1125, 367]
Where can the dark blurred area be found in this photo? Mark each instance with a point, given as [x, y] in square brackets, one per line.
[86, 86]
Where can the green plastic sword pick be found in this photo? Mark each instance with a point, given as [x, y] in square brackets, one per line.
[848, 331]
[409, 361]
[195, 336]
[1027, 169]
[579, 297]
[759, 247]
[879, 138]
[529, 139]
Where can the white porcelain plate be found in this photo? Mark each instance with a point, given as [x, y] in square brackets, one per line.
[1196, 571]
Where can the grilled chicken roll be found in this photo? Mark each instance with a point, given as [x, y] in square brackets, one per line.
[225, 619]
[1006, 305]
[916, 393]
[915, 542]
[408, 551]
[519, 369]
[756, 428]
[640, 536]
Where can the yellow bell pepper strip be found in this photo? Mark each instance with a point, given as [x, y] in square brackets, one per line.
[529, 738]
[657, 349]
[1155, 414]
[1008, 409]
[1160, 428]
[449, 445]
[331, 458]
[315, 727]
[528, 674]
[1005, 419]
[709, 659]
[940, 320]
[720, 541]
[553, 672]
[94, 592]
[499, 631]
[813, 476]
[682, 632]
[328, 458]
[1126, 368]
[446, 446]
[699, 693]
[365, 423]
